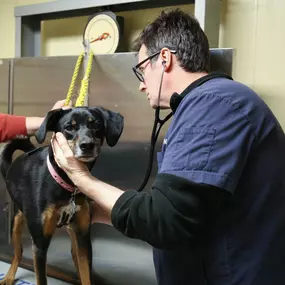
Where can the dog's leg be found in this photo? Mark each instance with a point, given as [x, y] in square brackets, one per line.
[73, 247]
[19, 223]
[83, 248]
[42, 233]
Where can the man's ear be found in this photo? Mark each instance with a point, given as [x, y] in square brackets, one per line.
[113, 123]
[49, 123]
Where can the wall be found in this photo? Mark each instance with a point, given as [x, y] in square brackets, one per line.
[68, 39]
[7, 25]
[256, 29]
[253, 27]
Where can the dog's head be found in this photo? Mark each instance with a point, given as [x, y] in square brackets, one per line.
[84, 128]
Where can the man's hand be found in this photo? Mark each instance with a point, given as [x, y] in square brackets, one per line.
[103, 194]
[65, 159]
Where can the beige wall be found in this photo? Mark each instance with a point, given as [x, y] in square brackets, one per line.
[256, 29]
[68, 39]
[253, 27]
[7, 25]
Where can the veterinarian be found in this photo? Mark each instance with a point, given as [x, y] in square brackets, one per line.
[215, 213]
[12, 126]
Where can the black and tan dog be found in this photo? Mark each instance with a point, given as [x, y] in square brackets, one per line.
[44, 195]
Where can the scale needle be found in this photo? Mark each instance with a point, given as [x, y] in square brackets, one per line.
[104, 36]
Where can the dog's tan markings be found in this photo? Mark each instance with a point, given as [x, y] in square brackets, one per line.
[36, 264]
[49, 220]
[73, 123]
[71, 144]
[79, 200]
[90, 119]
[83, 217]
[81, 225]
[83, 265]
[74, 248]
[19, 223]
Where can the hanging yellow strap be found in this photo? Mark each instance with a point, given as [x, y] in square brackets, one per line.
[84, 83]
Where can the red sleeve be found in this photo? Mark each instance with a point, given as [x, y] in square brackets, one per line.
[11, 126]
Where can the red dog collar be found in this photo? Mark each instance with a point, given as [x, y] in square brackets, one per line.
[58, 179]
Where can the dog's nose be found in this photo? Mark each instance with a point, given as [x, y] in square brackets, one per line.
[87, 146]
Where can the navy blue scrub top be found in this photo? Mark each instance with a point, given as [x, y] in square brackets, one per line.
[223, 134]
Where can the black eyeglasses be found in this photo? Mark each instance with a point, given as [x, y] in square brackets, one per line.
[138, 72]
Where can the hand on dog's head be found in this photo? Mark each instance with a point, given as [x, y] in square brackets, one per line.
[85, 128]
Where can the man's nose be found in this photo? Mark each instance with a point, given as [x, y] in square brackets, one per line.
[142, 87]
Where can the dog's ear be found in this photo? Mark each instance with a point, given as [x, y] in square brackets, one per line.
[113, 123]
[49, 124]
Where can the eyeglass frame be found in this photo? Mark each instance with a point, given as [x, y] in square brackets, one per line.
[135, 68]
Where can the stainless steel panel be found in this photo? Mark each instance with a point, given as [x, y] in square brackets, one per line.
[4, 199]
[38, 83]
[222, 60]
[4, 85]
[114, 86]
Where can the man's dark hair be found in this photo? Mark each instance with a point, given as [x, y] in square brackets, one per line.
[181, 32]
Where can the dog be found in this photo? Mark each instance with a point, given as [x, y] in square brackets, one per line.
[43, 194]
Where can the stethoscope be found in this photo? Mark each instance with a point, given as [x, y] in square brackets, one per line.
[158, 123]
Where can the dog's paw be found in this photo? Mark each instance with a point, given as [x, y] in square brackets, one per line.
[7, 281]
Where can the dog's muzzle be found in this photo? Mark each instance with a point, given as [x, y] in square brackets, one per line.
[87, 150]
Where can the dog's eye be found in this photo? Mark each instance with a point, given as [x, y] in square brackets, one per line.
[69, 128]
[96, 123]
[92, 124]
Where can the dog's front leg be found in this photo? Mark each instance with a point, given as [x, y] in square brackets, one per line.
[74, 249]
[81, 243]
[41, 233]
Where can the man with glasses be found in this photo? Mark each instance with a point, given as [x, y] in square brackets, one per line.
[215, 212]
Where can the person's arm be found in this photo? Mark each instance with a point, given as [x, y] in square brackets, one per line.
[33, 123]
[100, 215]
[169, 217]
[12, 126]
[175, 214]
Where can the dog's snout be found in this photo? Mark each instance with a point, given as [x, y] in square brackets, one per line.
[87, 145]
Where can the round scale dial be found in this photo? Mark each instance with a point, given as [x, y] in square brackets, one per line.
[102, 33]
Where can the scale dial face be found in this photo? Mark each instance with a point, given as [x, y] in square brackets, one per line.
[102, 33]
